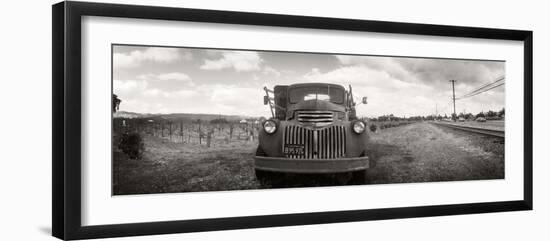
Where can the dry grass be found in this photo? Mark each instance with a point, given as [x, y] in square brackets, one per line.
[423, 152]
[176, 167]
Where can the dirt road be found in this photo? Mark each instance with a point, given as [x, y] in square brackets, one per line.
[419, 152]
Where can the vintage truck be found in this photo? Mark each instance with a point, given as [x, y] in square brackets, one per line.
[313, 129]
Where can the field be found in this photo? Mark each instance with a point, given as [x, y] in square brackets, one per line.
[415, 152]
[423, 152]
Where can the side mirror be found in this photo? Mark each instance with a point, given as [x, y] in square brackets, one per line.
[266, 99]
[364, 100]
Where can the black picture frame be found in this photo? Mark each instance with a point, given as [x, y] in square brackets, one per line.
[66, 122]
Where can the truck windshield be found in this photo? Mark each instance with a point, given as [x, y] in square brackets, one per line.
[335, 95]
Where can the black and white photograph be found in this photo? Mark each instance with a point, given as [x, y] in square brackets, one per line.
[193, 119]
[275, 120]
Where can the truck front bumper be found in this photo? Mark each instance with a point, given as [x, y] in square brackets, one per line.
[281, 164]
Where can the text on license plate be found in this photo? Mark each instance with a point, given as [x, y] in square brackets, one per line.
[294, 149]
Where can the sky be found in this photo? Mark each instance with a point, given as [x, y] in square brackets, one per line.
[230, 82]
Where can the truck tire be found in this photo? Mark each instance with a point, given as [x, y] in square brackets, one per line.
[260, 175]
[264, 177]
[358, 177]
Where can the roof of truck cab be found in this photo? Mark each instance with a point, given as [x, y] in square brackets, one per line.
[315, 84]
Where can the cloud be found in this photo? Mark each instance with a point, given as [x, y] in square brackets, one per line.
[464, 71]
[128, 90]
[241, 61]
[271, 71]
[128, 86]
[360, 75]
[178, 94]
[176, 79]
[152, 54]
[156, 93]
[216, 98]
[139, 97]
[159, 82]
[436, 72]
[388, 65]
[177, 76]
[386, 93]
[229, 99]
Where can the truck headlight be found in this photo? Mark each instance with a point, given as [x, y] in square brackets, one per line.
[270, 126]
[358, 127]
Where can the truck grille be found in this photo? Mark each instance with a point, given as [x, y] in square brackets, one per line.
[325, 143]
[316, 118]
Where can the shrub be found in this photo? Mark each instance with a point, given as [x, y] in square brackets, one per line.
[132, 145]
[373, 127]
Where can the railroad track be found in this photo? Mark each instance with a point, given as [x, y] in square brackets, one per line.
[479, 130]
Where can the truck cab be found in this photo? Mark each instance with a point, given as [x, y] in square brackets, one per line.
[313, 129]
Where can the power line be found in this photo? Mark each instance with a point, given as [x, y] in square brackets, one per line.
[499, 79]
[483, 88]
[481, 91]
[487, 90]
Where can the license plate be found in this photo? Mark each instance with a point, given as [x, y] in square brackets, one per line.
[294, 149]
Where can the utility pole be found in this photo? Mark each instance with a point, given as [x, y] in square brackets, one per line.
[454, 99]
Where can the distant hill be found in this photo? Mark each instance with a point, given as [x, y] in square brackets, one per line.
[126, 114]
[180, 116]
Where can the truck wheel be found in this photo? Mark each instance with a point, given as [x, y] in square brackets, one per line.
[260, 174]
[264, 177]
[343, 178]
[359, 177]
